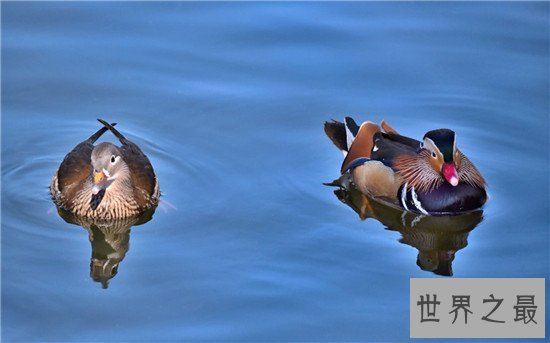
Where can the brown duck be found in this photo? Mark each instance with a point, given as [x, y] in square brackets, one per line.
[105, 181]
[431, 176]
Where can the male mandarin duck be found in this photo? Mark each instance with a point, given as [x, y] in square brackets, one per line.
[105, 181]
[428, 177]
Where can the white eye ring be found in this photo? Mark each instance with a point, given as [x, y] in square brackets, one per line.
[114, 159]
[434, 155]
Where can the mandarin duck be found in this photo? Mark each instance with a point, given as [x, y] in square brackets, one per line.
[105, 181]
[429, 177]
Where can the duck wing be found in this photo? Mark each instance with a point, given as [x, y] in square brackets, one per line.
[382, 145]
[389, 145]
[362, 144]
[369, 141]
[141, 171]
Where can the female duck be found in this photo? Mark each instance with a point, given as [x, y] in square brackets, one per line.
[426, 177]
[105, 181]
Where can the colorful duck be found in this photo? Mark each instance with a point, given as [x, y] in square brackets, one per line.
[427, 177]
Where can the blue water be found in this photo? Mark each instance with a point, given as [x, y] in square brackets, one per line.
[228, 100]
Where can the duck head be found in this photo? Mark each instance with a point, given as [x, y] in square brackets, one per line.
[108, 167]
[443, 153]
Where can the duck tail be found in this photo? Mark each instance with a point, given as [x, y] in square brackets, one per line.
[98, 134]
[336, 131]
[342, 134]
[113, 130]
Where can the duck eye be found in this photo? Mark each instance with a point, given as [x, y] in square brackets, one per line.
[433, 154]
[113, 159]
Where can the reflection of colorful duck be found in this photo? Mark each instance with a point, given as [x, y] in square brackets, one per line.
[110, 242]
[437, 238]
[430, 176]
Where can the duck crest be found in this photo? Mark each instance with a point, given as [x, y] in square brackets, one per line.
[417, 171]
[445, 140]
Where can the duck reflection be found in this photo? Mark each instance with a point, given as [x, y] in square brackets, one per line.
[110, 242]
[437, 238]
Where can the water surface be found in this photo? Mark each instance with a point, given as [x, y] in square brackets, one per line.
[228, 101]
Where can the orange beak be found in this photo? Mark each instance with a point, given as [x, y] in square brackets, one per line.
[100, 181]
[98, 177]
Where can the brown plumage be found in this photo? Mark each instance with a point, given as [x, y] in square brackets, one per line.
[467, 172]
[417, 171]
[105, 181]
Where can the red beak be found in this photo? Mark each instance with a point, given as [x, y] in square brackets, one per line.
[449, 173]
